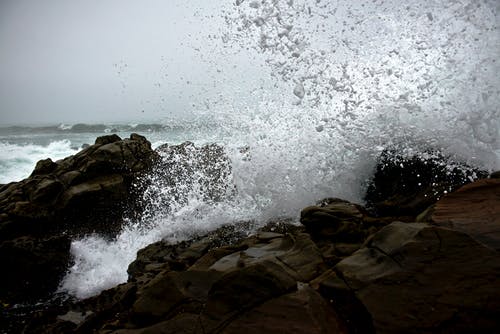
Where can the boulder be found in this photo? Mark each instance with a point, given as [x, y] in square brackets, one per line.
[335, 219]
[407, 185]
[419, 278]
[339, 227]
[473, 209]
[89, 192]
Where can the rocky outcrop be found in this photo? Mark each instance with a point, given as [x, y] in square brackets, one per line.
[86, 193]
[406, 186]
[343, 270]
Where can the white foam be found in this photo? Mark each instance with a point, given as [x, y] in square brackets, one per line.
[18, 161]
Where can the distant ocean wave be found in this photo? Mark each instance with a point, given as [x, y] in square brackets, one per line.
[87, 128]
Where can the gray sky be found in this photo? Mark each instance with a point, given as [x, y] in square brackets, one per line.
[115, 60]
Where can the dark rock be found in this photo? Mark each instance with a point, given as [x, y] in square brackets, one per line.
[89, 192]
[473, 209]
[103, 140]
[184, 323]
[303, 311]
[495, 175]
[78, 190]
[406, 186]
[170, 290]
[44, 167]
[418, 278]
[354, 314]
[338, 219]
[32, 268]
[296, 253]
[241, 290]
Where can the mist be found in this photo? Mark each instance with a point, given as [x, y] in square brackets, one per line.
[116, 61]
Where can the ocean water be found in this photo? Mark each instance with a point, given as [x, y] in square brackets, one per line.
[349, 79]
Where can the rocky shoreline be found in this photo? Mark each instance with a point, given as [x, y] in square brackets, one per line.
[421, 257]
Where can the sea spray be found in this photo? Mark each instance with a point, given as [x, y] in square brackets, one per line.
[392, 71]
[350, 78]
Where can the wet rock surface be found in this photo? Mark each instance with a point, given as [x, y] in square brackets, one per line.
[473, 209]
[344, 269]
[406, 186]
[85, 193]
[418, 278]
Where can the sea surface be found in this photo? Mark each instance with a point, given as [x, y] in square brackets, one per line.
[350, 79]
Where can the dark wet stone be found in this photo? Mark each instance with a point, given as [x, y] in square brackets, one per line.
[404, 186]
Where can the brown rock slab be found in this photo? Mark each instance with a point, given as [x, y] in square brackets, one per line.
[303, 311]
[473, 209]
[419, 278]
[297, 254]
[182, 324]
[169, 290]
[241, 290]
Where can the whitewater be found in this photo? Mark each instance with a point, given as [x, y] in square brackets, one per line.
[348, 79]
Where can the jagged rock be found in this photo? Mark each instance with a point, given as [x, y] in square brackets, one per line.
[406, 186]
[85, 193]
[473, 209]
[162, 255]
[495, 175]
[418, 278]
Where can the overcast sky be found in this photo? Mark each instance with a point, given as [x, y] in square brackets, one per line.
[114, 60]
